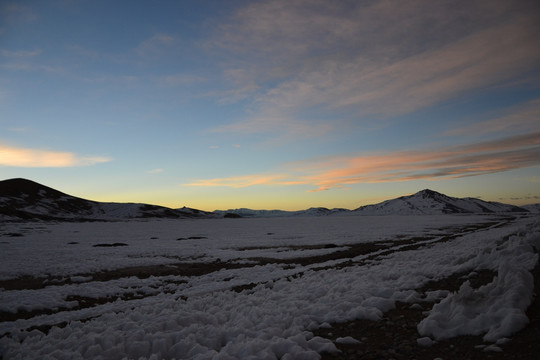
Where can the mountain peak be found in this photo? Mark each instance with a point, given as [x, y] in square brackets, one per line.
[428, 193]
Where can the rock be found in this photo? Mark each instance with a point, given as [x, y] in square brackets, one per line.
[424, 341]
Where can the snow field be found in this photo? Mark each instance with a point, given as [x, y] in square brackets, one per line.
[201, 319]
[44, 250]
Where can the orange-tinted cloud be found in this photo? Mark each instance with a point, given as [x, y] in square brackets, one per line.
[452, 162]
[244, 181]
[22, 157]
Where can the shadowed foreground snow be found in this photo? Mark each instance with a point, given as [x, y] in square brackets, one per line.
[200, 317]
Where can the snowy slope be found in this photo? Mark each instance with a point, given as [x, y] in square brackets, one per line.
[432, 203]
[25, 199]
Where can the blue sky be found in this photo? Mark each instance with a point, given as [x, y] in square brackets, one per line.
[272, 104]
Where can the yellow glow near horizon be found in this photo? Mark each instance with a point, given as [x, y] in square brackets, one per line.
[298, 197]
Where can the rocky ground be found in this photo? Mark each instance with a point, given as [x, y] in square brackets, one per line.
[395, 336]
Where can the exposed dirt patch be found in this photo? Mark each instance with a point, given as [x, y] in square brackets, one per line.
[110, 245]
[142, 272]
[179, 269]
[192, 238]
[83, 303]
[395, 336]
[13, 234]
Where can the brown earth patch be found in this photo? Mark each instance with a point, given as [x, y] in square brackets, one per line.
[394, 337]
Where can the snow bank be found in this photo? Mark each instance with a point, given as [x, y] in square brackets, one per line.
[496, 309]
[347, 340]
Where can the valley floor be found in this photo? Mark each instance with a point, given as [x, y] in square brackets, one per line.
[448, 286]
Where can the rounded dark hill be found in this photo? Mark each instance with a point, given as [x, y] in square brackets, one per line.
[28, 200]
[21, 197]
[27, 189]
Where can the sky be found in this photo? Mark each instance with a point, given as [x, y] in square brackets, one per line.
[272, 104]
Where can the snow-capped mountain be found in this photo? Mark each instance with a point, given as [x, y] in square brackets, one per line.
[425, 202]
[250, 213]
[430, 202]
[22, 199]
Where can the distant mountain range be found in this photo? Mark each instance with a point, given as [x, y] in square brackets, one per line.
[22, 199]
[315, 211]
[425, 202]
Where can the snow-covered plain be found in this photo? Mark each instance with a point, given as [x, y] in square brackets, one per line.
[253, 288]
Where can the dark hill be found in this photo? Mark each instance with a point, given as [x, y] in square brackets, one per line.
[22, 199]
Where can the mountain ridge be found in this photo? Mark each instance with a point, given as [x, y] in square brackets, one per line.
[22, 199]
[424, 202]
[313, 211]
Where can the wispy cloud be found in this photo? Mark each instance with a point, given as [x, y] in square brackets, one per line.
[175, 80]
[30, 67]
[384, 58]
[430, 164]
[231, 96]
[20, 53]
[25, 157]
[19, 129]
[523, 198]
[248, 180]
[16, 13]
[273, 121]
[155, 46]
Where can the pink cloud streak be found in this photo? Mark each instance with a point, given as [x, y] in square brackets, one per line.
[452, 162]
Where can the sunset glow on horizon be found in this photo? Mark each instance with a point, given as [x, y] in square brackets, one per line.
[272, 104]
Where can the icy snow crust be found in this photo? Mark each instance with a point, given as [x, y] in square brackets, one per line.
[199, 317]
